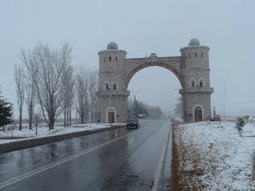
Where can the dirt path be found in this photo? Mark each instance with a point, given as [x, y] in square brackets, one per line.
[185, 164]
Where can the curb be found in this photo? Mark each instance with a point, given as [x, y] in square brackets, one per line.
[24, 144]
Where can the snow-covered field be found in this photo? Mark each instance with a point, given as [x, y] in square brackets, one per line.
[44, 131]
[213, 156]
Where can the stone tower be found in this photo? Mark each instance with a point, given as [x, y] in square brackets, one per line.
[191, 68]
[196, 90]
[112, 94]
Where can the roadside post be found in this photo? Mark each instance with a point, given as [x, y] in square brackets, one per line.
[36, 129]
[253, 168]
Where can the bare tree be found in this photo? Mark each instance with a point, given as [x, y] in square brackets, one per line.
[82, 94]
[30, 91]
[93, 86]
[85, 94]
[51, 70]
[30, 101]
[48, 68]
[20, 90]
[68, 95]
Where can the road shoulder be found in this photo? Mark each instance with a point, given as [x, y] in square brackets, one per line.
[32, 142]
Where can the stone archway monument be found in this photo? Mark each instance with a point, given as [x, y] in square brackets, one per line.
[191, 68]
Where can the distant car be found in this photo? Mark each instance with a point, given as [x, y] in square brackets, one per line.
[217, 118]
[132, 123]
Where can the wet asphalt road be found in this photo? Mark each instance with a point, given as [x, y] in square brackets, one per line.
[112, 160]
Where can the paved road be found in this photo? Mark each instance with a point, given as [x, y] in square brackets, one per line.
[113, 160]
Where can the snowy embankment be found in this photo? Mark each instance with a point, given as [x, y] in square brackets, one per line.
[43, 131]
[213, 156]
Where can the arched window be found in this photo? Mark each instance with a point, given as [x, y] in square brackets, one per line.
[110, 59]
[189, 55]
[192, 83]
[202, 55]
[195, 54]
[107, 85]
[201, 82]
[114, 85]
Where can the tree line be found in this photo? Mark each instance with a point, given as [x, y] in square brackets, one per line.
[46, 78]
[139, 109]
[178, 111]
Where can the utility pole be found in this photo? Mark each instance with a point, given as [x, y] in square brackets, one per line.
[224, 102]
[132, 102]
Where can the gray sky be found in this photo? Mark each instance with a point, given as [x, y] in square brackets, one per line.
[140, 27]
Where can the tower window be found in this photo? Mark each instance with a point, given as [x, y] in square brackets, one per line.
[116, 58]
[107, 86]
[189, 55]
[195, 54]
[114, 86]
[104, 59]
[193, 83]
[201, 83]
[201, 55]
[110, 59]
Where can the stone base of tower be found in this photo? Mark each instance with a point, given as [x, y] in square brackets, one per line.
[113, 106]
[196, 104]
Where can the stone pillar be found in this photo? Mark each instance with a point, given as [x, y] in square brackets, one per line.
[196, 90]
[112, 95]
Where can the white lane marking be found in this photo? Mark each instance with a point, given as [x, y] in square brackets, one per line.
[157, 176]
[62, 161]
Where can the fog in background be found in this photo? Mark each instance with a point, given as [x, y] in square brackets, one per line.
[140, 27]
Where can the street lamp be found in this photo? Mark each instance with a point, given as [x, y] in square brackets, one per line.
[132, 101]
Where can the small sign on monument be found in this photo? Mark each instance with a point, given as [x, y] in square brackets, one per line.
[153, 57]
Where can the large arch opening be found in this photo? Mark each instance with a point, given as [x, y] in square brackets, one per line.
[150, 64]
[158, 86]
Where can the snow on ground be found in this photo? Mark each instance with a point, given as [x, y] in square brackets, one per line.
[44, 131]
[225, 157]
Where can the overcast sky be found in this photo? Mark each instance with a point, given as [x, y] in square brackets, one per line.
[140, 27]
